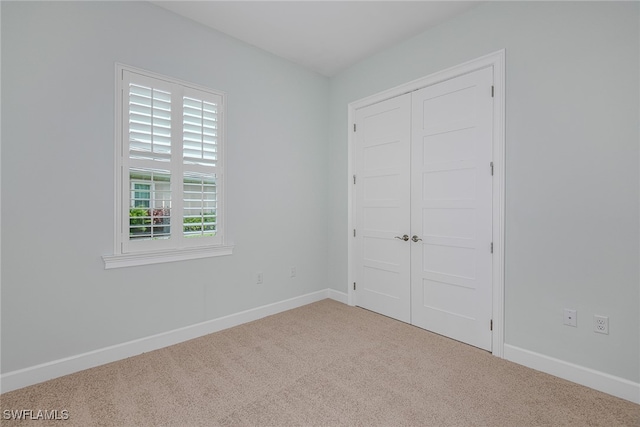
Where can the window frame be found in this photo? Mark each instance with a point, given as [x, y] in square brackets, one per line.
[166, 250]
[134, 191]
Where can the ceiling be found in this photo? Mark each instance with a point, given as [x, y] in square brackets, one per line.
[324, 36]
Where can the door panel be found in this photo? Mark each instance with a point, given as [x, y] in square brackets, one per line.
[451, 208]
[382, 207]
[423, 169]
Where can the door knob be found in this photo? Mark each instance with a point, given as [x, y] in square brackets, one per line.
[415, 238]
[405, 237]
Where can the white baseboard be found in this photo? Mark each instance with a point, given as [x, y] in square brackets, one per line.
[57, 368]
[601, 381]
[597, 380]
[338, 296]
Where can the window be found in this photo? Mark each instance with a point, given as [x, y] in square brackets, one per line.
[140, 195]
[170, 170]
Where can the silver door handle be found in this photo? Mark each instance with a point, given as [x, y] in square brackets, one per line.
[405, 237]
[415, 238]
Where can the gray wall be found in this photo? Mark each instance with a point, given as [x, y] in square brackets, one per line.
[58, 90]
[572, 166]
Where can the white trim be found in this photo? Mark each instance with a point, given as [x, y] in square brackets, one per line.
[499, 206]
[145, 258]
[495, 60]
[351, 202]
[14, 380]
[68, 365]
[337, 296]
[168, 79]
[597, 380]
[117, 163]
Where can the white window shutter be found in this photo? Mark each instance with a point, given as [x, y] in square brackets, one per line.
[149, 123]
[200, 132]
[171, 164]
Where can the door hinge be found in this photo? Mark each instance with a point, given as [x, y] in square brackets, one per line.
[491, 247]
[492, 91]
[491, 325]
[354, 286]
[354, 232]
[354, 179]
[354, 127]
[491, 168]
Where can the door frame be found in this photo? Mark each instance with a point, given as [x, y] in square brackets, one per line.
[497, 61]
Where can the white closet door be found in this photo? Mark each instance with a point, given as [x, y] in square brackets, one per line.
[382, 207]
[451, 208]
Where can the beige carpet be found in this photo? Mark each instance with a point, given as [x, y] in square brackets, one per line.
[324, 364]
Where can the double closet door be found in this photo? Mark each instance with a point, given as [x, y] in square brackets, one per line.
[423, 208]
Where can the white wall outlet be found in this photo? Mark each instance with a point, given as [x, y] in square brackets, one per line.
[259, 278]
[570, 317]
[601, 324]
[292, 272]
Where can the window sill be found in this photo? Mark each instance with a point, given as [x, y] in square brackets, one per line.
[157, 257]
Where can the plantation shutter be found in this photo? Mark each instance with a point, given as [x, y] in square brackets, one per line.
[200, 150]
[171, 181]
[200, 127]
[149, 123]
[147, 150]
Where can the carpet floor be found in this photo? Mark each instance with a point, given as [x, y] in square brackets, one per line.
[324, 364]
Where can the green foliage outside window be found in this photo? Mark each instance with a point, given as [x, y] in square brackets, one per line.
[140, 221]
[209, 224]
[139, 217]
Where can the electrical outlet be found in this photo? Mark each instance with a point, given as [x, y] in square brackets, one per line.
[570, 317]
[292, 272]
[601, 324]
[259, 278]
